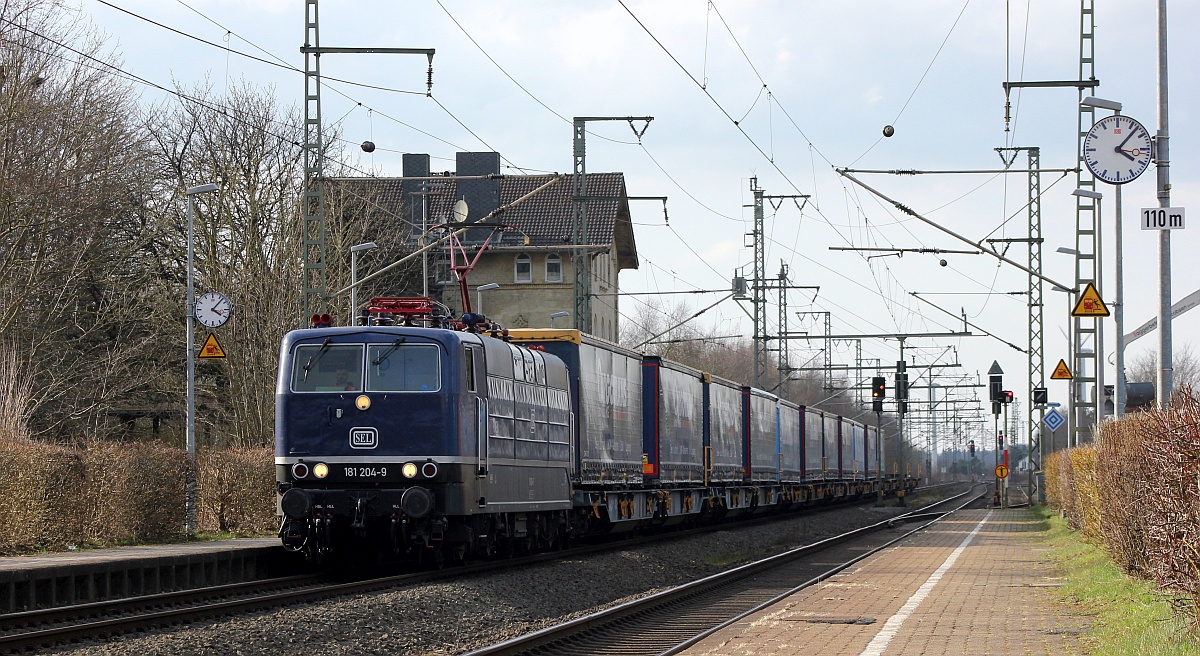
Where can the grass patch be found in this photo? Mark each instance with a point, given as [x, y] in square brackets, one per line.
[1130, 617]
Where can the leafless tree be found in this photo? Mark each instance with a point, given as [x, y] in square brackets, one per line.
[247, 245]
[72, 182]
[1144, 368]
[249, 241]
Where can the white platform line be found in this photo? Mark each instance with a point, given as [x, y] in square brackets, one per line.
[890, 628]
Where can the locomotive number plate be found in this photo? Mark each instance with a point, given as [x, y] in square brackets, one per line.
[361, 472]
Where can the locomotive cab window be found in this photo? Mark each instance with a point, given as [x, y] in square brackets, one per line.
[327, 368]
[400, 367]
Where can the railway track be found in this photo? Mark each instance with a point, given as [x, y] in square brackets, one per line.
[55, 627]
[672, 620]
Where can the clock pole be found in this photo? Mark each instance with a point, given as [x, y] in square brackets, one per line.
[191, 364]
[1166, 373]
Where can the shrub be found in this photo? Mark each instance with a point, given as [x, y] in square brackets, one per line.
[1122, 460]
[1172, 498]
[106, 493]
[1137, 494]
[40, 491]
[237, 491]
[136, 492]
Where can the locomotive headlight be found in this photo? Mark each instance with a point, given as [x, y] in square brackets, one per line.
[299, 470]
[362, 402]
[409, 469]
[320, 470]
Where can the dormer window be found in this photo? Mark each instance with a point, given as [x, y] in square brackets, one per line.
[524, 269]
[554, 268]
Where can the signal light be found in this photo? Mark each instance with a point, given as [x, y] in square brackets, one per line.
[1007, 397]
[971, 448]
[878, 387]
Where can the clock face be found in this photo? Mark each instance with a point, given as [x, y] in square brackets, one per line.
[213, 309]
[1117, 149]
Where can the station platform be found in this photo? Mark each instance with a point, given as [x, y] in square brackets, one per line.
[73, 577]
[974, 583]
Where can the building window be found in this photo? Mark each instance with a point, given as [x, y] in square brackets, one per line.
[524, 271]
[553, 268]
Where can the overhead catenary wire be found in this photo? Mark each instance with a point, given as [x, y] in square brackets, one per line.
[812, 150]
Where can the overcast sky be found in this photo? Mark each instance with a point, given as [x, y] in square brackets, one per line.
[784, 91]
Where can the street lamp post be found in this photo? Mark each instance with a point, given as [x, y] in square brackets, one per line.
[354, 251]
[190, 500]
[479, 296]
[558, 315]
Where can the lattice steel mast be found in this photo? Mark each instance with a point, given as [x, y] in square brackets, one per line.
[313, 204]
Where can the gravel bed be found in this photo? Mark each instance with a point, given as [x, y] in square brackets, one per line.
[458, 616]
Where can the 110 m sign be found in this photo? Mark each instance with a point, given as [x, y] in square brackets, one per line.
[1162, 218]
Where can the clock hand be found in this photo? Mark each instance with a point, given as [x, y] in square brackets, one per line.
[1121, 145]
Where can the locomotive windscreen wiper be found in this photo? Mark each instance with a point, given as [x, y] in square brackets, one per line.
[383, 356]
[312, 359]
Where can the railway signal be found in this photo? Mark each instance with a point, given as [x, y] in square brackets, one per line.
[995, 382]
[878, 393]
[971, 447]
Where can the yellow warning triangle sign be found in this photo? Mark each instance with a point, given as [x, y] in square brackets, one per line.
[211, 348]
[1090, 304]
[1061, 372]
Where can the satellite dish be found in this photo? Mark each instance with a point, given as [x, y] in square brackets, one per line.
[460, 211]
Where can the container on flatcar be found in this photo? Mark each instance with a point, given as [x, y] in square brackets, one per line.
[607, 406]
[812, 422]
[791, 463]
[673, 420]
[833, 447]
[761, 434]
[854, 444]
[724, 442]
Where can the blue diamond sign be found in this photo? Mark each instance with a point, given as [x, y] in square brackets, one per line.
[1053, 420]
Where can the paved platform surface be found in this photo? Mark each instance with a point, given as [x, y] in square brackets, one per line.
[977, 583]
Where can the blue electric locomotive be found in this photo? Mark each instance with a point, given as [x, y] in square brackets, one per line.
[424, 440]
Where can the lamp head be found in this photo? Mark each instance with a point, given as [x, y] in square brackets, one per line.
[203, 189]
[1092, 101]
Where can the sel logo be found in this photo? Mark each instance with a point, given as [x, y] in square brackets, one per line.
[364, 438]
